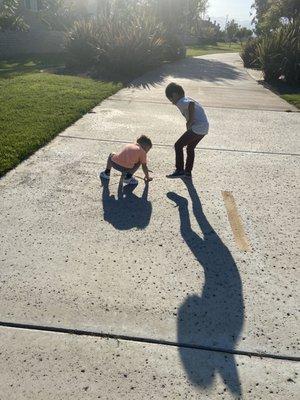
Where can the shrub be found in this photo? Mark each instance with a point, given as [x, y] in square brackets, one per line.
[249, 54]
[279, 54]
[208, 32]
[81, 45]
[117, 47]
[129, 49]
[10, 20]
[174, 48]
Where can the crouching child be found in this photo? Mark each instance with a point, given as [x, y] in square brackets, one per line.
[129, 160]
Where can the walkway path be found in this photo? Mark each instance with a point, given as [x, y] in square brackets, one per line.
[163, 301]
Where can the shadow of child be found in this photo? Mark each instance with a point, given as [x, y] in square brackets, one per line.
[126, 211]
[215, 318]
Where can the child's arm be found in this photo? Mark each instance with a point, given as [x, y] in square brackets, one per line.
[191, 118]
[146, 172]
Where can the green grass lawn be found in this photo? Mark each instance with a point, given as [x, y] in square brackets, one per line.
[194, 51]
[292, 98]
[35, 107]
[290, 93]
[28, 64]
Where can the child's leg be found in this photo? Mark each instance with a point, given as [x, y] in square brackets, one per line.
[109, 165]
[132, 171]
[191, 152]
[184, 140]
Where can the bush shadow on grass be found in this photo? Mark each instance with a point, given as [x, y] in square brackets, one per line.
[30, 63]
[290, 93]
[196, 69]
[215, 318]
[11, 67]
[126, 211]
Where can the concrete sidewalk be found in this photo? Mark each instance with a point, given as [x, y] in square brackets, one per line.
[181, 311]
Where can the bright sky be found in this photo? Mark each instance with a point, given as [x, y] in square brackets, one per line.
[238, 9]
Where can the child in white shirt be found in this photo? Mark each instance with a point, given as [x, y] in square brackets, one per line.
[197, 127]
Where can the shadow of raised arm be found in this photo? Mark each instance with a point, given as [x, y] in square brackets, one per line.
[214, 318]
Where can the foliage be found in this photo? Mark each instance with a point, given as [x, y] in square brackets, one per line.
[194, 15]
[231, 30]
[249, 53]
[234, 32]
[209, 32]
[259, 8]
[244, 34]
[58, 14]
[117, 44]
[279, 54]
[131, 48]
[174, 48]
[277, 23]
[272, 14]
[9, 18]
[82, 45]
[177, 16]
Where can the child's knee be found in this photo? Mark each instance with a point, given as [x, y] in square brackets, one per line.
[190, 149]
[178, 146]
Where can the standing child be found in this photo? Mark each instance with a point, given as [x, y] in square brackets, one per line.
[128, 161]
[197, 127]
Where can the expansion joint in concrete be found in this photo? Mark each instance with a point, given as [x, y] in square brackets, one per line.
[79, 332]
[271, 153]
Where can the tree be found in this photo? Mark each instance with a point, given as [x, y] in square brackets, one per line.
[208, 32]
[177, 15]
[59, 14]
[243, 34]
[260, 7]
[272, 14]
[231, 30]
[9, 17]
[194, 14]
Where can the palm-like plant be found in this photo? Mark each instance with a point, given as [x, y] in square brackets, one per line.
[249, 53]
[132, 47]
[9, 17]
[81, 44]
[122, 46]
[279, 54]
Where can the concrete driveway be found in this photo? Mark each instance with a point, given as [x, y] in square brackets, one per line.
[151, 293]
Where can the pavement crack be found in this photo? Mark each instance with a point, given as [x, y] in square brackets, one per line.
[137, 339]
[288, 108]
[271, 153]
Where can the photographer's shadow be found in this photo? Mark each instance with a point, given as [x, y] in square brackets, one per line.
[214, 318]
[126, 210]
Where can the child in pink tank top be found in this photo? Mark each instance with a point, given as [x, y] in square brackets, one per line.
[129, 159]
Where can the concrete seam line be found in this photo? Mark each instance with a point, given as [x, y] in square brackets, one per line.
[137, 339]
[205, 105]
[197, 148]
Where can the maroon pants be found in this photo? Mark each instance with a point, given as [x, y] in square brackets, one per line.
[190, 140]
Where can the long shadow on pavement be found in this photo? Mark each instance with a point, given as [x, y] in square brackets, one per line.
[126, 211]
[215, 318]
[196, 69]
